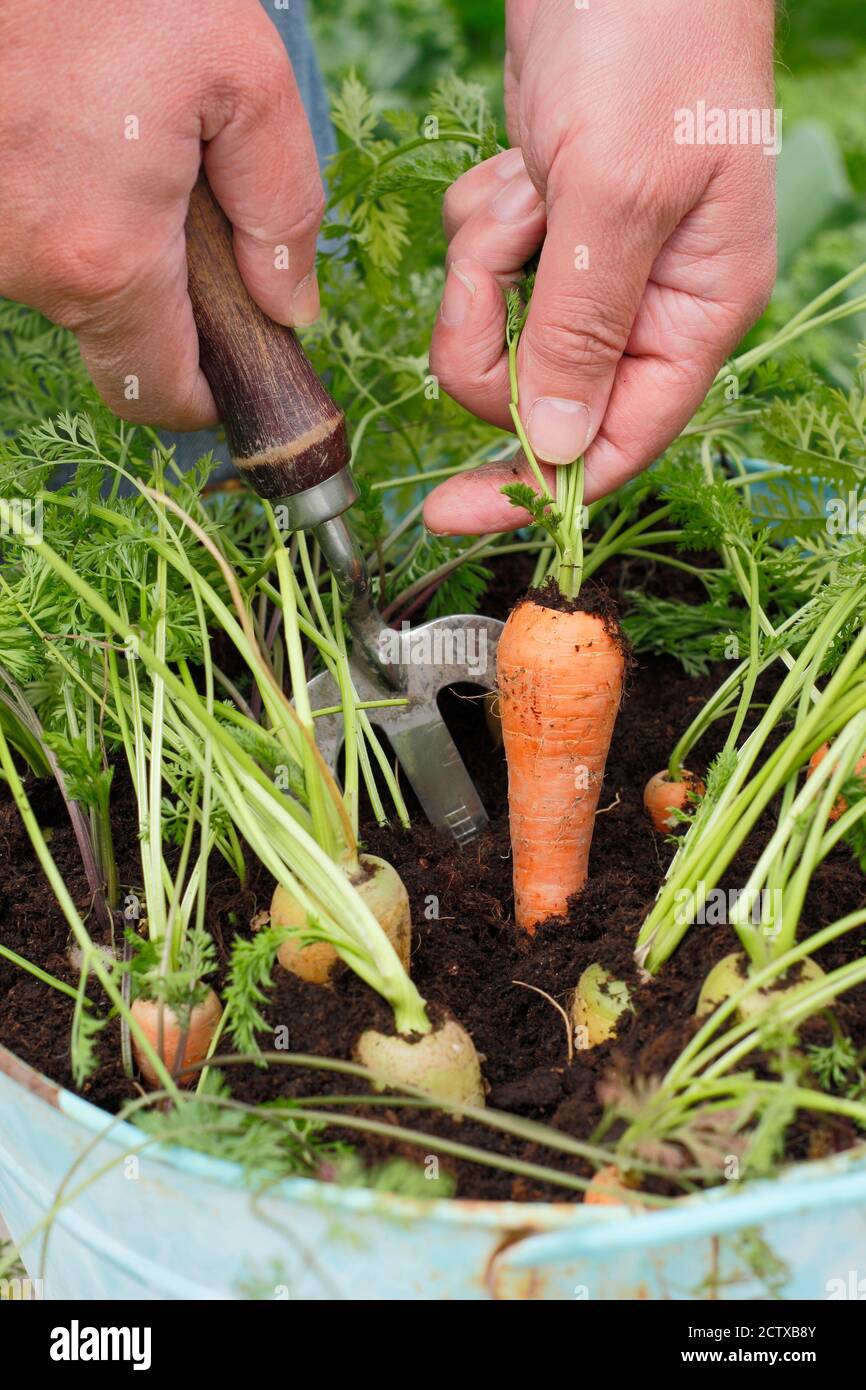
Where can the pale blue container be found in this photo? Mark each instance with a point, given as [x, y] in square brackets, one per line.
[176, 1225]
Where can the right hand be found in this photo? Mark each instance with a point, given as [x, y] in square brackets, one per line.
[655, 256]
[92, 228]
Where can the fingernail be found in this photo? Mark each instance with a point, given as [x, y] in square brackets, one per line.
[305, 301]
[509, 164]
[458, 296]
[558, 430]
[517, 200]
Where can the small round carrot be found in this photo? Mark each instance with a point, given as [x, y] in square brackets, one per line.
[841, 805]
[729, 975]
[444, 1062]
[560, 677]
[203, 1021]
[598, 1003]
[664, 795]
[384, 892]
[609, 1188]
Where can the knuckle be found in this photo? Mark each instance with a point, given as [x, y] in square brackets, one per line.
[273, 72]
[261, 85]
[643, 201]
[475, 375]
[637, 195]
[578, 335]
[306, 216]
[296, 224]
[80, 271]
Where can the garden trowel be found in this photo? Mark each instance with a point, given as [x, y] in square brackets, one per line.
[288, 440]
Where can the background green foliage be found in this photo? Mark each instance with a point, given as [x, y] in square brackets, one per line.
[400, 48]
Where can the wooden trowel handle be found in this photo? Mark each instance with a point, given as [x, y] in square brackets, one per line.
[284, 431]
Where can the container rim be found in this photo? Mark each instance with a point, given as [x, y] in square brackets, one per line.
[821, 1177]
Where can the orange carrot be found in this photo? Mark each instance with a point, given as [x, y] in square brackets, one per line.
[203, 1021]
[560, 677]
[662, 795]
[818, 757]
[609, 1188]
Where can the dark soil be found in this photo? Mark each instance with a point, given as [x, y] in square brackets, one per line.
[466, 957]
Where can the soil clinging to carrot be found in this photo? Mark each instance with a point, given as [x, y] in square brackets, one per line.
[593, 598]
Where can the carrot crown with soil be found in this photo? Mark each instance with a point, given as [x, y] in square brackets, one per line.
[560, 677]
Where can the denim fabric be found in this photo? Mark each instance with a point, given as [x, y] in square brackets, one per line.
[292, 24]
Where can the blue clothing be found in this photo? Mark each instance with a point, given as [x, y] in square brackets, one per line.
[292, 24]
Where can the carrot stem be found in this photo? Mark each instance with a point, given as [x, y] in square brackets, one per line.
[565, 524]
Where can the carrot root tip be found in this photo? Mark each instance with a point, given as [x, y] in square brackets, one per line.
[663, 798]
[384, 893]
